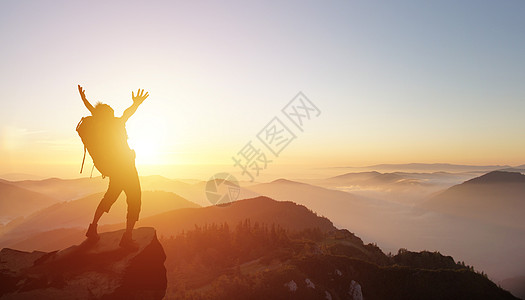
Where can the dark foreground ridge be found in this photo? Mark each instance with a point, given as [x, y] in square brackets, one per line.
[87, 271]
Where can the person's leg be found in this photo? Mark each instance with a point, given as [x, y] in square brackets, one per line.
[133, 199]
[98, 214]
[111, 195]
[130, 224]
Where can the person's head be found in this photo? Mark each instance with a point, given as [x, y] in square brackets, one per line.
[103, 110]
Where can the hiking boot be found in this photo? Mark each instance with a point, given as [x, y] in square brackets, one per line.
[128, 242]
[92, 232]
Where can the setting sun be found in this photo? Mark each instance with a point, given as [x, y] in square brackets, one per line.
[147, 137]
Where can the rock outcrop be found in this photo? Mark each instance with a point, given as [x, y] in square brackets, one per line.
[100, 270]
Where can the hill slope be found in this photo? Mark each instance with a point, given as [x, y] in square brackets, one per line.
[64, 189]
[366, 216]
[252, 262]
[79, 213]
[265, 249]
[72, 189]
[16, 201]
[261, 209]
[497, 197]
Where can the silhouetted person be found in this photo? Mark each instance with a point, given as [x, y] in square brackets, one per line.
[105, 137]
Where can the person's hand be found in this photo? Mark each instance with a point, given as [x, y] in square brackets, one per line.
[82, 92]
[140, 96]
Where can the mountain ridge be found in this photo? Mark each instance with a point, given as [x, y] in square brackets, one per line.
[498, 177]
[495, 197]
[260, 248]
[17, 201]
[430, 166]
[78, 213]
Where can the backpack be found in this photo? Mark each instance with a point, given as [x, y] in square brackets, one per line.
[91, 131]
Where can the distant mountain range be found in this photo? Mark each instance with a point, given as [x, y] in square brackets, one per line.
[433, 167]
[367, 178]
[496, 197]
[261, 209]
[471, 220]
[260, 248]
[79, 213]
[18, 202]
[64, 189]
[72, 189]
[396, 180]
[353, 211]
[20, 176]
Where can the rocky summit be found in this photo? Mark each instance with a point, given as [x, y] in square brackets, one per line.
[91, 270]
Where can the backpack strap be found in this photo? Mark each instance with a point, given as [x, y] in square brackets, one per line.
[83, 159]
[80, 122]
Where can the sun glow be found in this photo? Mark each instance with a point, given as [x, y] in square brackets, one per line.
[147, 138]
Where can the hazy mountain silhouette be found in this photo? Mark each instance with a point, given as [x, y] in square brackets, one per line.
[261, 209]
[183, 189]
[367, 216]
[227, 262]
[394, 225]
[375, 178]
[435, 167]
[16, 201]
[266, 244]
[50, 240]
[71, 189]
[65, 189]
[366, 177]
[76, 213]
[498, 177]
[20, 176]
[496, 197]
[402, 187]
[390, 183]
[389, 224]
[516, 169]
[375, 219]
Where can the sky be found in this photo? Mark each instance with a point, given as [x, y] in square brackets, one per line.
[393, 81]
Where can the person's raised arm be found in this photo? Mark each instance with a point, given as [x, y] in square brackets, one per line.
[137, 100]
[84, 99]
